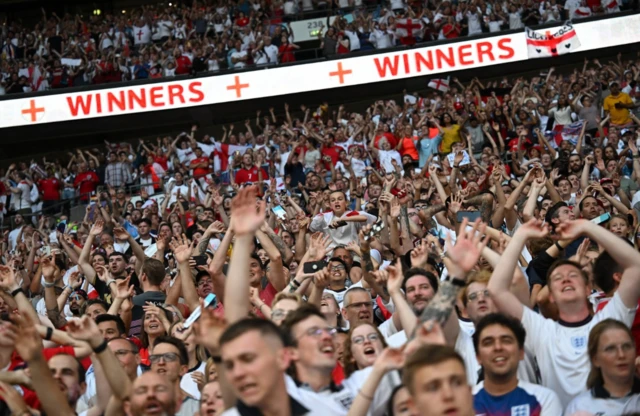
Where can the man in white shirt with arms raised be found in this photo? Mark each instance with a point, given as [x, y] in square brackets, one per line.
[561, 347]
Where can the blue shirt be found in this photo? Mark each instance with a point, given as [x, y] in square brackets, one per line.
[428, 147]
[516, 403]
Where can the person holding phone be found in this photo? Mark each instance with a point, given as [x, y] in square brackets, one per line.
[340, 225]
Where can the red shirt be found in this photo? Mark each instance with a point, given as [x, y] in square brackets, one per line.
[455, 31]
[200, 172]
[242, 22]
[50, 189]
[162, 161]
[87, 182]
[266, 295]
[183, 65]
[333, 152]
[408, 147]
[249, 175]
[287, 53]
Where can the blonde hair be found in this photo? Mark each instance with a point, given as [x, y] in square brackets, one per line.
[292, 296]
[480, 276]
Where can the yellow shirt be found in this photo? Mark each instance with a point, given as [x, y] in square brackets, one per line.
[619, 116]
[450, 136]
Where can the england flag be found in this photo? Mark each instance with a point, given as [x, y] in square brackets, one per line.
[439, 84]
[408, 28]
[546, 44]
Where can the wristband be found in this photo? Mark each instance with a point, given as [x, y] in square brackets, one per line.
[559, 246]
[457, 282]
[110, 281]
[47, 285]
[15, 292]
[49, 333]
[100, 348]
[636, 156]
[295, 283]
[216, 359]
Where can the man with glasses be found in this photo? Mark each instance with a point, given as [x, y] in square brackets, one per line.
[314, 352]
[128, 354]
[357, 306]
[478, 303]
[169, 359]
[337, 284]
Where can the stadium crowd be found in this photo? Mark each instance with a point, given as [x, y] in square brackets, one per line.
[472, 250]
[161, 40]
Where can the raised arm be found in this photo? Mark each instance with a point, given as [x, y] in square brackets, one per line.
[8, 283]
[246, 219]
[86, 329]
[500, 282]
[121, 234]
[84, 259]
[29, 345]
[463, 258]
[623, 254]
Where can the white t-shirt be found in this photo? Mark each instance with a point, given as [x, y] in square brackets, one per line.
[343, 235]
[386, 156]
[25, 196]
[473, 22]
[13, 236]
[338, 401]
[354, 41]
[272, 53]
[238, 55]
[380, 39]
[188, 385]
[588, 401]
[141, 35]
[515, 21]
[185, 155]
[164, 28]
[561, 351]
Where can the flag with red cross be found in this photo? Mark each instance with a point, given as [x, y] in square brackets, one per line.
[544, 44]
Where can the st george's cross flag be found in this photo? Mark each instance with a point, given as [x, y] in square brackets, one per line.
[439, 84]
[408, 28]
[546, 44]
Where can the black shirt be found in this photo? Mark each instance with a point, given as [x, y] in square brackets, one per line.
[56, 43]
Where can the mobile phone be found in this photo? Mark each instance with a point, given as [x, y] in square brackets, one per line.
[200, 260]
[46, 251]
[279, 211]
[62, 226]
[375, 229]
[602, 218]
[209, 302]
[470, 215]
[311, 267]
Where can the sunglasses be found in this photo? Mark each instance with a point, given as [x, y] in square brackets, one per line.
[168, 357]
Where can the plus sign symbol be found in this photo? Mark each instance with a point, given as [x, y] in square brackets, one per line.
[340, 73]
[237, 86]
[32, 112]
